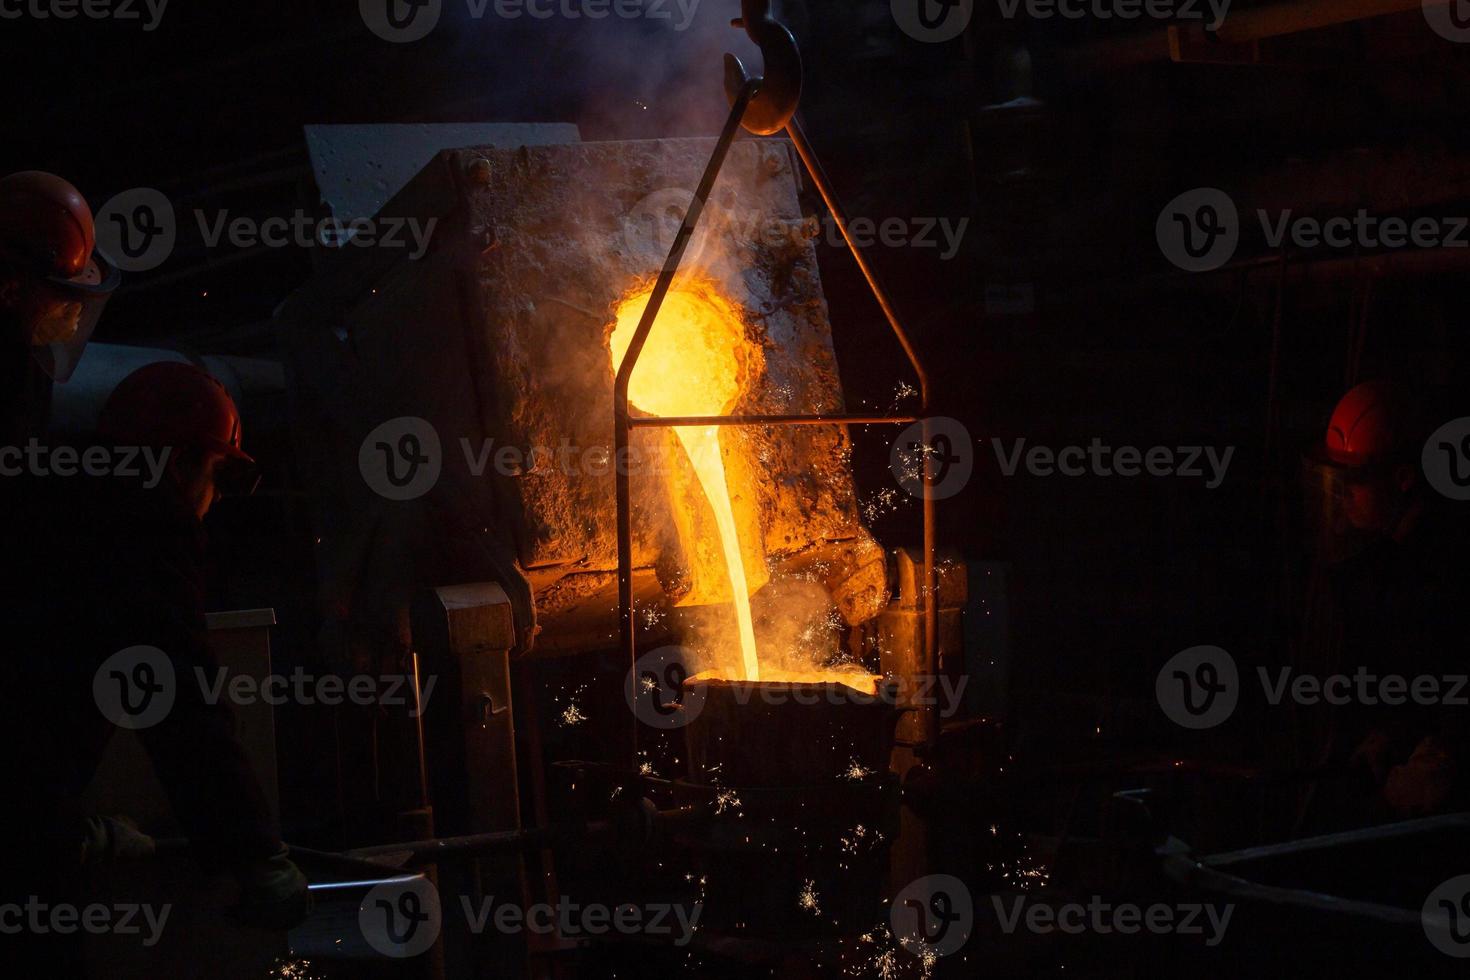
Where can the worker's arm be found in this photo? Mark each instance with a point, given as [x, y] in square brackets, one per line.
[195, 750]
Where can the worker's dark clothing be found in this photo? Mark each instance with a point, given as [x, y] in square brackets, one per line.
[94, 565]
[25, 390]
[1404, 610]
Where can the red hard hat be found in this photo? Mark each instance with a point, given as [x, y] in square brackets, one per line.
[170, 403]
[45, 224]
[1371, 424]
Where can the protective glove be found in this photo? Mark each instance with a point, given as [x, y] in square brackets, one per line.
[273, 893]
[106, 839]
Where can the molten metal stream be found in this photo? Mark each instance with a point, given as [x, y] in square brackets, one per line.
[702, 443]
[689, 366]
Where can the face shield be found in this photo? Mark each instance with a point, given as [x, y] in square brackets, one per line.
[1345, 506]
[64, 312]
[237, 476]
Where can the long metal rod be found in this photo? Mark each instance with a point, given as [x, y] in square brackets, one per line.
[673, 421]
[931, 582]
[622, 428]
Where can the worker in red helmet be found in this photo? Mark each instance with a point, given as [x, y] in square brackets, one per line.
[53, 286]
[1394, 552]
[112, 562]
[177, 407]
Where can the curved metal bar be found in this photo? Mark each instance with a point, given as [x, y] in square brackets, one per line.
[622, 429]
[931, 581]
[778, 111]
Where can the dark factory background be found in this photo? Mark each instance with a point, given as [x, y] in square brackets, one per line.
[1055, 318]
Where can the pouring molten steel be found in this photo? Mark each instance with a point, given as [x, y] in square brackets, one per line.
[691, 366]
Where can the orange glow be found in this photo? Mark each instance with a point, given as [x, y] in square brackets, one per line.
[858, 680]
[691, 365]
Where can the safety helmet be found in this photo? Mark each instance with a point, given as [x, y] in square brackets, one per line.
[177, 405]
[48, 243]
[1372, 424]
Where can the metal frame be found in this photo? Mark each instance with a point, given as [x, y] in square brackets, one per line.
[624, 423]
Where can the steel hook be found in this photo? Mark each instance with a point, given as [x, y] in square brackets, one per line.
[779, 88]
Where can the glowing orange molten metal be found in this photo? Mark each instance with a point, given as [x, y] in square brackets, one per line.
[691, 366]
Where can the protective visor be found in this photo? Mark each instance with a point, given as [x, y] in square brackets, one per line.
[68, 313]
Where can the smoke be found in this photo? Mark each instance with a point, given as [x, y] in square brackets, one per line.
[798, 630]
[658, 73]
